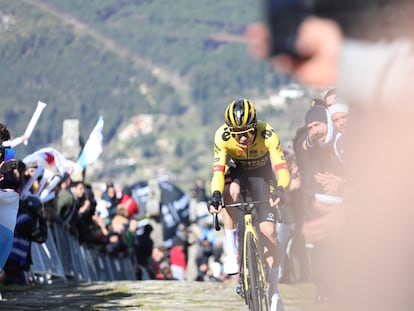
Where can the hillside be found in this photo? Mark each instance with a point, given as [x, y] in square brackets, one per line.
[175, 61]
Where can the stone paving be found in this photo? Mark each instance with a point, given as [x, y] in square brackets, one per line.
[144, 295]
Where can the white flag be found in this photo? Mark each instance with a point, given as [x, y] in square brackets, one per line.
[51, 157]
[93, 146]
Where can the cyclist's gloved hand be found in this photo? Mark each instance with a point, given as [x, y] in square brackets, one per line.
[215, 200]
[278, 193]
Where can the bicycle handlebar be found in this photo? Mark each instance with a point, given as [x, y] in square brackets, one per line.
[244, 204]
[249, 205]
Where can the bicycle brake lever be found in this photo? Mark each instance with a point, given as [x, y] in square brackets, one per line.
[216, 222]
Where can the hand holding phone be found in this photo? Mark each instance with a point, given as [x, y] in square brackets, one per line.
[283, 18]
[6, 153]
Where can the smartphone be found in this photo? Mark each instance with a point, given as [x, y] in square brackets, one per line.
[284, 17]
[8, 154]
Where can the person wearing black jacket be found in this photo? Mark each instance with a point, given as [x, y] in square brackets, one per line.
[30, 227]
[9, 198]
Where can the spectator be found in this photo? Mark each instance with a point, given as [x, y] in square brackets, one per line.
[29, 171]
[9, 199]
[198, 191]
[183, 235]
[339, 114]
[380, 93]
[110, 196]
[143, 249]
[30, 227]
[289, 230]
[321, 160]
[319, 149]
[65, 206]
[330, 96]
[178, 261]
[160, 264]
[208, 247]
[318, 101]
[130, 204]
[211, 273]
[85, 206]
[117, 243]
[198, 201]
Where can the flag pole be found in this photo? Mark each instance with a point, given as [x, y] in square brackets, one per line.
[33, 121]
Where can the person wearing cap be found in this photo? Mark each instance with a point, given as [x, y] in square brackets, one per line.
[339, 111]
[321, 162]
[317, 147]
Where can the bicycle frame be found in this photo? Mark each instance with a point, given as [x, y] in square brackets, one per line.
[249, 228]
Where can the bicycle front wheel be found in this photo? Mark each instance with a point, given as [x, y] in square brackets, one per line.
[257, 296]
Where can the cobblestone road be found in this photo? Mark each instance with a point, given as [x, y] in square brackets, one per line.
[144, 295]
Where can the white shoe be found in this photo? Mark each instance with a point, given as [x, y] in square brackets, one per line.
[230, 265]
[277, 303]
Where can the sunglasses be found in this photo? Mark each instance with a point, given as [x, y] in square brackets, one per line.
[246, 132]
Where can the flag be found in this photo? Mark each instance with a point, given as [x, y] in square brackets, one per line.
[93, 146]
[51, 157]
[174, 206]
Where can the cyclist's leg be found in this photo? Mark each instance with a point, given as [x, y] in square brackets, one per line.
[267, 218]
[229, 218]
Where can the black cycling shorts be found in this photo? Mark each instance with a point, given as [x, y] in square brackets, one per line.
[259, 182]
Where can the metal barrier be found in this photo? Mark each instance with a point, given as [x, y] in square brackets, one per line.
[46, 260]
[64, 257]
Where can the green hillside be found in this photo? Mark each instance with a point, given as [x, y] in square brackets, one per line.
[181, 61]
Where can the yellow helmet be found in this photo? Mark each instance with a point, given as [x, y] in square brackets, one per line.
[240, 114]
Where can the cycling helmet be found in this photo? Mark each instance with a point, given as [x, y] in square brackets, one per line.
[240, 115]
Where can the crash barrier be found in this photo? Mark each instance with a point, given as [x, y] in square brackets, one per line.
[63, 257]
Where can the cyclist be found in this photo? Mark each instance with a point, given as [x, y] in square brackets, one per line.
[253, 146]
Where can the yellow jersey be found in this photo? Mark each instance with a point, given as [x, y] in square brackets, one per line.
[265, 147]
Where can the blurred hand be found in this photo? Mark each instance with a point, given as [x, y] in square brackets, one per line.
[331, 184]
[319, 41]
[294, 183]
[327, 225]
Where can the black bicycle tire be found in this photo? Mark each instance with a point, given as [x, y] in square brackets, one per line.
[256, 295]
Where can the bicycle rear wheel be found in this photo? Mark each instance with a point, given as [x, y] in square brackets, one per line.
[256, 293]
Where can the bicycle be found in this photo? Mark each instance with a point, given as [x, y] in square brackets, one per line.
[252, 267]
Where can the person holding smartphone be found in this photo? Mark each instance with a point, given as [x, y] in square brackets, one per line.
[9, 198]
[374, 74]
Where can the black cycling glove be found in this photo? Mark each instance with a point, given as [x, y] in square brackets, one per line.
[215, 199]
[278, 193]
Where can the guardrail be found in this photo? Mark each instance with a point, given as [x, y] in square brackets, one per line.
[62, 257]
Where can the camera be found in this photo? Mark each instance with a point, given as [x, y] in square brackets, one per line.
[284, 17]
[6, 153]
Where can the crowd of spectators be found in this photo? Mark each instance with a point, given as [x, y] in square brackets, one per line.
[105, 219]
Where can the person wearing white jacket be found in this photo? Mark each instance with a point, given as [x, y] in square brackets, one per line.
[374, 226]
